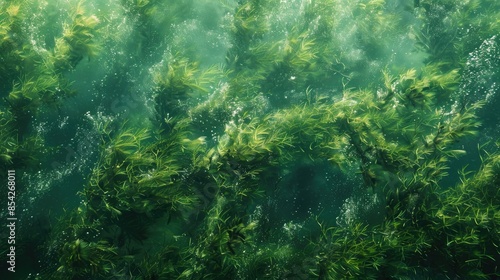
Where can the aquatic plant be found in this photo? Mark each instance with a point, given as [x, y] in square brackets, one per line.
[467, 223]
[147, 15]
[13, 50]
[77, 41]
[348, 254]
[83, 259]
[18, 149]
[78, 249]
[136, 178]
[195, 187]
[27, 96]
[32, 76]
[455, 239]
[450, 41]
[177, 81]
[8, 139]
[162, 265]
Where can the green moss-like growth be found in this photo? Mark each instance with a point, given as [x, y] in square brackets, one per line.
[466, 224]
[202, 189]
[13, 49]
[32, 76]
[176, 82]
[8, 139]
[467, 25]
[82, 259]
[136, 178]
[79, 250]
[77, 41]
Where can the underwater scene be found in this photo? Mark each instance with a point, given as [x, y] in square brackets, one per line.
[250, 139]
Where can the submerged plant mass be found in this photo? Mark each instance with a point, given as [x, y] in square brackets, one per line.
[252, 139]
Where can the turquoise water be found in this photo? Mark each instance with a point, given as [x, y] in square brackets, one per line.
[293, 139]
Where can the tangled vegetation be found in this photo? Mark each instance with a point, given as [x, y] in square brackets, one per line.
[195, 179]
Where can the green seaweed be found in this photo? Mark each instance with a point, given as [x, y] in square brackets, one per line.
[77, 41]
[193, 189]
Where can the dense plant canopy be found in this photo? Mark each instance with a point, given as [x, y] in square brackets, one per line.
[253, 139]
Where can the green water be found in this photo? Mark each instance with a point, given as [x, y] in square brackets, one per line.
[257, 139]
